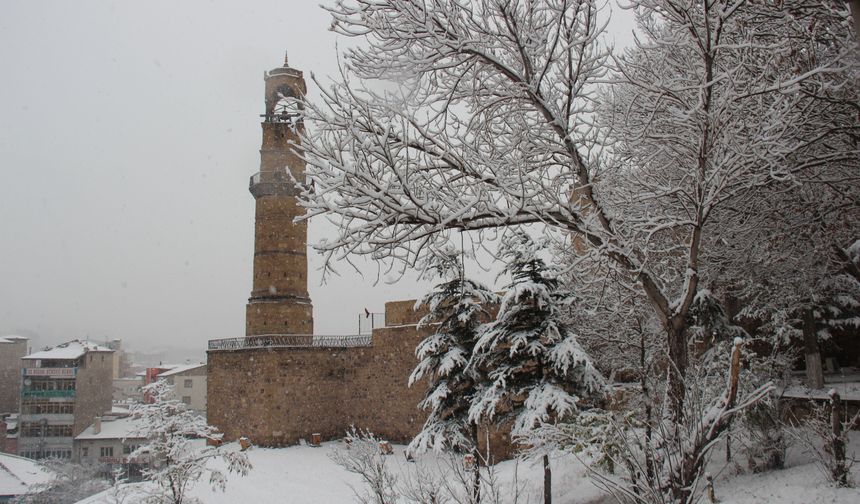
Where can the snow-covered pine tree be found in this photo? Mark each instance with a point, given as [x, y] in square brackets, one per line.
[457, 307]
[536, 372]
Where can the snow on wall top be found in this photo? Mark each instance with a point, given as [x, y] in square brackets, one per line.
[11, 338]
[71, 350]
[180, 369]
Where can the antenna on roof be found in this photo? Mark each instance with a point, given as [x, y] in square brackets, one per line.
[286, 58]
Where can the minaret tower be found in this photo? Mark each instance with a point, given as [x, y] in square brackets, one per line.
[279, 302]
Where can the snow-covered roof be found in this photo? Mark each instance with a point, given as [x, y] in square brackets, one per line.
[180, 369]
[11, 338]
[70, 350]
[112, 428]
[18, 474]
[119, 411]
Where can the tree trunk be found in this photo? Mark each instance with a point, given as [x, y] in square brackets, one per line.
[476, 453]
[677, 339]
[646, 393]
[854, 6]
[729, 444]
[693, 462]
[814, 371]
[547, 481]
[840, 471]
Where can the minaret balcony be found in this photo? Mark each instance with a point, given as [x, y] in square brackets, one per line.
[272, 183]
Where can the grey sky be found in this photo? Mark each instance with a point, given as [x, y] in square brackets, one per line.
[128, 131]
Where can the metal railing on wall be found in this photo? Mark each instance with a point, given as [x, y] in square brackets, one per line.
[291, 341]
[368, 321]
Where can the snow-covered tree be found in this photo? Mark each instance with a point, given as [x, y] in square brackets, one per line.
[536, 372]
[491, 122]
[456, 309]
[177, 446]
[70, 483]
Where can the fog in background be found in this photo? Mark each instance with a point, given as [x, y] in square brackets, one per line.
[128, 132]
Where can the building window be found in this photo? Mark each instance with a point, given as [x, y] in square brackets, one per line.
[128, 449]
[37, 429]
[85, 451]
[189, 383]
[106, 451]
[186, 399]
[43, 406]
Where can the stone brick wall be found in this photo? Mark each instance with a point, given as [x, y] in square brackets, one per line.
[11, 351]
[279, 317]
[93, 389]
[278, 396]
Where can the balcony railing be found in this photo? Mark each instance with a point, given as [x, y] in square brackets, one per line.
[291, 341]
[47, 393]
[270, 183]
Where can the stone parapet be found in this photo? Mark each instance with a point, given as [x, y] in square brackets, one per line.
[277, 396]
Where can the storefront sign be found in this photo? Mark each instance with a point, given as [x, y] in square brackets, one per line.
[58, 372]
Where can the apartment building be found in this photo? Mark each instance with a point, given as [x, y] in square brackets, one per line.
[12, 348]
[189, 385]
[64, 389]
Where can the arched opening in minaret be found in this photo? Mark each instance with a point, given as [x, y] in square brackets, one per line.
[286, 106]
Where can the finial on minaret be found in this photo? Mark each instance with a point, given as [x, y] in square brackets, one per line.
[286, 58]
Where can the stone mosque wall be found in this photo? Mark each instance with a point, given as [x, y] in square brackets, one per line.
[277, 396]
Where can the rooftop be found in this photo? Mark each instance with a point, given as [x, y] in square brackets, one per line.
[180, 369]
[18, 474]
[71, 350]
[113, 428]
[11, 338]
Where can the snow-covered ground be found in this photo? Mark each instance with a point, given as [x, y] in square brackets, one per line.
[306, 475]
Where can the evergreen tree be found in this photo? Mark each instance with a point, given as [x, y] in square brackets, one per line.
[536, 371]
[458, 305]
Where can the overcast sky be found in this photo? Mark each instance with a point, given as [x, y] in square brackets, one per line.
[128, 131]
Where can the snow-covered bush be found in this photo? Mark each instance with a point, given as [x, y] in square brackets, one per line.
[823, 434]
[765, 441]
[594, 435]
[663, 460]
[440, 477]
[364, 457]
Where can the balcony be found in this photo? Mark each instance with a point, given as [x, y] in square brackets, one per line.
[272, 183]
[47, 393]
[51, 418]
[292, 119]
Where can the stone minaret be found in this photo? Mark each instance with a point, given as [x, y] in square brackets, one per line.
[279, 302]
